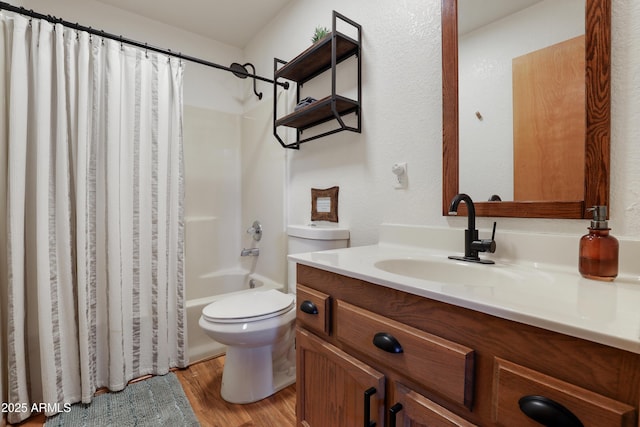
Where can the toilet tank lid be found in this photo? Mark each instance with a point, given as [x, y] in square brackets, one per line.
[318, 232]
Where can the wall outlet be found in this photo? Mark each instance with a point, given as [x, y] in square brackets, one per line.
[400, 175]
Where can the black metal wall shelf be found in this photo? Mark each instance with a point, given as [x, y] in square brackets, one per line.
[317, 59]
[317, 113]
[322, 56]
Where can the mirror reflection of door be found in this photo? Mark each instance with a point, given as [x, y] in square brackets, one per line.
[487, 137]
[549, 123]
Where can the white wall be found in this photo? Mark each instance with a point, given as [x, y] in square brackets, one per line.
[401, 110]
[402, 120]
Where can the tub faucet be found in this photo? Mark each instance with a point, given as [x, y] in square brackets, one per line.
[472, 245]
[250, 252]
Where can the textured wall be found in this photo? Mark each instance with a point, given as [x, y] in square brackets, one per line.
[402, 110]
[625, 117]
[401, 106]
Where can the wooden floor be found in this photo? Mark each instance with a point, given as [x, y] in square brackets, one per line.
[201, 383]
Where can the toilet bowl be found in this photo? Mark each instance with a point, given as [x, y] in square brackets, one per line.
[258, 330]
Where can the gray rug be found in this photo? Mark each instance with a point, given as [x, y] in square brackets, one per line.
[158, 401]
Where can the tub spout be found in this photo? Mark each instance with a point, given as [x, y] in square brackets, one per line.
[250, 252]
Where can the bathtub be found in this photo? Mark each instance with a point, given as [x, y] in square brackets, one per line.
[208, 288]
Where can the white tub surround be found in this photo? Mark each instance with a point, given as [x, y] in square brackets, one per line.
[534, 280]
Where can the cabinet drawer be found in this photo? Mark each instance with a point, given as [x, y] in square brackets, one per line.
[437, 364]
[313, 309]
[512, 382]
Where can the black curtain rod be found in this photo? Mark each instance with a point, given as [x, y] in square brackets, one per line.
[100, 33]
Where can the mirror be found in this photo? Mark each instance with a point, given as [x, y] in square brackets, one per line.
[596, 132]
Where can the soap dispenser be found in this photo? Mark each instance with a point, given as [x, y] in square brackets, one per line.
[598, 249]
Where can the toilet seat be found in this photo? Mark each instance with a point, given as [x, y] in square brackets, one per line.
[248, 307]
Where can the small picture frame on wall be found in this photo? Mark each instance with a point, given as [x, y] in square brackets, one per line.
[324, 204]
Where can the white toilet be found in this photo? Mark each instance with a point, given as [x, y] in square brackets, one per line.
[313, 238]
[258, 327]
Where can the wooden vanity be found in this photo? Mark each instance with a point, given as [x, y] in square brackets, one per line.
[437, 364]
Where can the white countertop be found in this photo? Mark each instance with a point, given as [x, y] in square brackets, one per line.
[550, 296]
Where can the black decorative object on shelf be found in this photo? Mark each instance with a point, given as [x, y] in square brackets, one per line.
[305, 103]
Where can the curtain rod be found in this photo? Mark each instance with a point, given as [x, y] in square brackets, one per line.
[101, 33]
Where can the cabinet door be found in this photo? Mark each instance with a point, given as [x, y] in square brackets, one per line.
[334, 388]
[414, 410]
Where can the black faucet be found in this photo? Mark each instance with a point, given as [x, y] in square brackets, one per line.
[472, 245]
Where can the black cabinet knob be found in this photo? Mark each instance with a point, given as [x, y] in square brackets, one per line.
[387, 342]
[308, 307]
[548, 412]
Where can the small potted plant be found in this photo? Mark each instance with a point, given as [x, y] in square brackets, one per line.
[319, 34]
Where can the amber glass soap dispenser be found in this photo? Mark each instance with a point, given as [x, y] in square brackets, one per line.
[598, 249]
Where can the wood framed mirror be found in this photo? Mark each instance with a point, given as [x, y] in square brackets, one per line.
[597, 40]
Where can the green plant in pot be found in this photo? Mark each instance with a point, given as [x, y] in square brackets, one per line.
[319, 34]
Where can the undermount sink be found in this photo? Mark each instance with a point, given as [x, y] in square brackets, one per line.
[449, 271]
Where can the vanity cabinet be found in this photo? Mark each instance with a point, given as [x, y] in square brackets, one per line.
[436, 364]
[324, 55]
[337, 389]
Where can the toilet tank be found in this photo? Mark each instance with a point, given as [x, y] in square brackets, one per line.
[312, 238]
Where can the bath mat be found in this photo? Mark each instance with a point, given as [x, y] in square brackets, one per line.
[158, 401]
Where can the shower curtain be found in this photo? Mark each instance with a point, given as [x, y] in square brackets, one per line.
[91, 209]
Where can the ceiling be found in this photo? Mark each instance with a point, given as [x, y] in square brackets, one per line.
[233, 22]
[473, 14]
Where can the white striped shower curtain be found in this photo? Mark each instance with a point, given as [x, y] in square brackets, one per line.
[91, 210]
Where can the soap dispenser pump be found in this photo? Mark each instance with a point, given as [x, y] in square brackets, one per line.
[598, 249]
